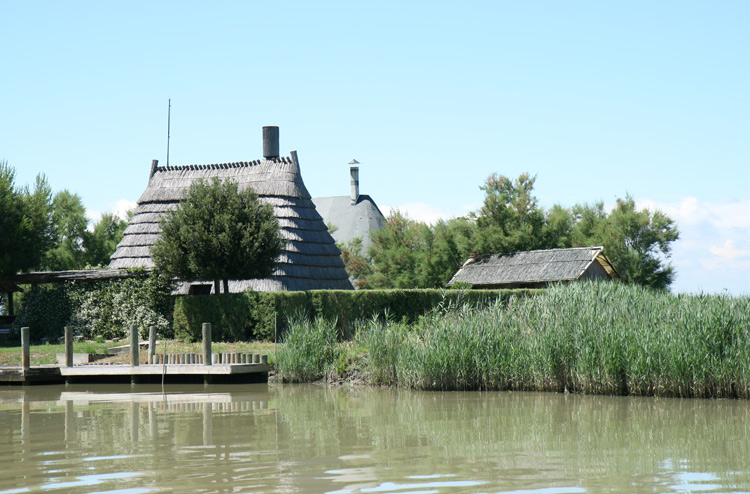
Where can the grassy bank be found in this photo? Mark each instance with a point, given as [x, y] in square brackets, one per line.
[589, 337]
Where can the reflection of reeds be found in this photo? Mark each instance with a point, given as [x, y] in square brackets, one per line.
[603, 338]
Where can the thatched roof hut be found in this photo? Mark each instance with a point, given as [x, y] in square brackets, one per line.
[536, 268]
[310, 259]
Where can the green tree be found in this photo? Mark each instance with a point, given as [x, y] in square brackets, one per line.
[218, 233]
[510, 219]
[358, 266]
[445, 246]
[100, 243]
[70, 222]
[411, 254]
[394, 253]
[26, 229]
[639, 243]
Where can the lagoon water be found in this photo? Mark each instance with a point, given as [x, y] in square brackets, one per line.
[307, 438]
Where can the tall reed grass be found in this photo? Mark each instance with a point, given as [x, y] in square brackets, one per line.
[603, 338]
[309, 351]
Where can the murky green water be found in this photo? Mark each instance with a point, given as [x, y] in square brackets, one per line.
[259, 438]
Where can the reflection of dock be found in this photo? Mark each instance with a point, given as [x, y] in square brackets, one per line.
[149, 373]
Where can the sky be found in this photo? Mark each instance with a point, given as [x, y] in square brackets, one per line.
[596, 99]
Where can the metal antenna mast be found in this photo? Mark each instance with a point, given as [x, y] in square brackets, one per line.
[169, 116]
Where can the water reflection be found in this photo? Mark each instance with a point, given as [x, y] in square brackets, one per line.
[256, 438]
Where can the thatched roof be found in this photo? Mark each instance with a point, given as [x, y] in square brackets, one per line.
[351, 220]
[310, 259]
[535, 268]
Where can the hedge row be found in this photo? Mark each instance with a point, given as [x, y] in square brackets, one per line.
[261, 315]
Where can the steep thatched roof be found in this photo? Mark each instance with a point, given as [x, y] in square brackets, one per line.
[351, 220]
[535, 268]
[310, 259]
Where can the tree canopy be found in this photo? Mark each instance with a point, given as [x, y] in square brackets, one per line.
[410, 254]
[26, 226]
[218, 233]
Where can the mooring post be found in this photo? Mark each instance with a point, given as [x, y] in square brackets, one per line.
[25, 348]
[151, 343]
[206, 343]
[68, 346]
[134, 357]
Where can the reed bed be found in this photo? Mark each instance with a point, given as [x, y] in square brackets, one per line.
[309, 351]
[597, 338]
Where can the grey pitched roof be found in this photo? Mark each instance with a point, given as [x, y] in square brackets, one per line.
[352, 220]
[532, 267]
[310, 259]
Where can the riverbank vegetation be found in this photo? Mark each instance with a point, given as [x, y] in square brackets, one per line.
[598, 338]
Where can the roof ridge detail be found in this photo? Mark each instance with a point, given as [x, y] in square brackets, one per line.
[223, 166]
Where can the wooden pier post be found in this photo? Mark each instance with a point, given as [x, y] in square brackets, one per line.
[68, 346]
[134, 356]
[206, 343]
[151, 343]
[25, 348]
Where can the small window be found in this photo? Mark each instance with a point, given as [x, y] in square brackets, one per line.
[199, 290]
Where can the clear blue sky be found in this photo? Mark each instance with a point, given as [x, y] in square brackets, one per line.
[598, 99]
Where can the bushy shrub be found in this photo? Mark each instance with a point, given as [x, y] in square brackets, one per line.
[109, 308]
[227, 313]
[102, 308]
[45, 310]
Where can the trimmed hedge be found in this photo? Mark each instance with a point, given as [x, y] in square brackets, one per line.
[250, 316]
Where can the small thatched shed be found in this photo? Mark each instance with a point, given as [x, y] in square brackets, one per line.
[535, 268]
[310, 261]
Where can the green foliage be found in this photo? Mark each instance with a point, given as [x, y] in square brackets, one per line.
[70, 222]
[637, 242]
[356, 262]
[101, 243]
[98, 309]
[25, 223]
[45, 310]
[310, 350]
[218, 233]
[228, 314]
[239, 316]
[394, 253]
[589, 337]
[510, 219]
[409, 254]
[256, 315]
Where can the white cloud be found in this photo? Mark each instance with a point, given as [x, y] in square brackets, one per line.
[427, 213]
[120, 207]
[691, 211]
[713, 252]
[728, 251]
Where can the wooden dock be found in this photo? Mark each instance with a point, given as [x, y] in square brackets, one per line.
[148, 373]
[205, 368]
